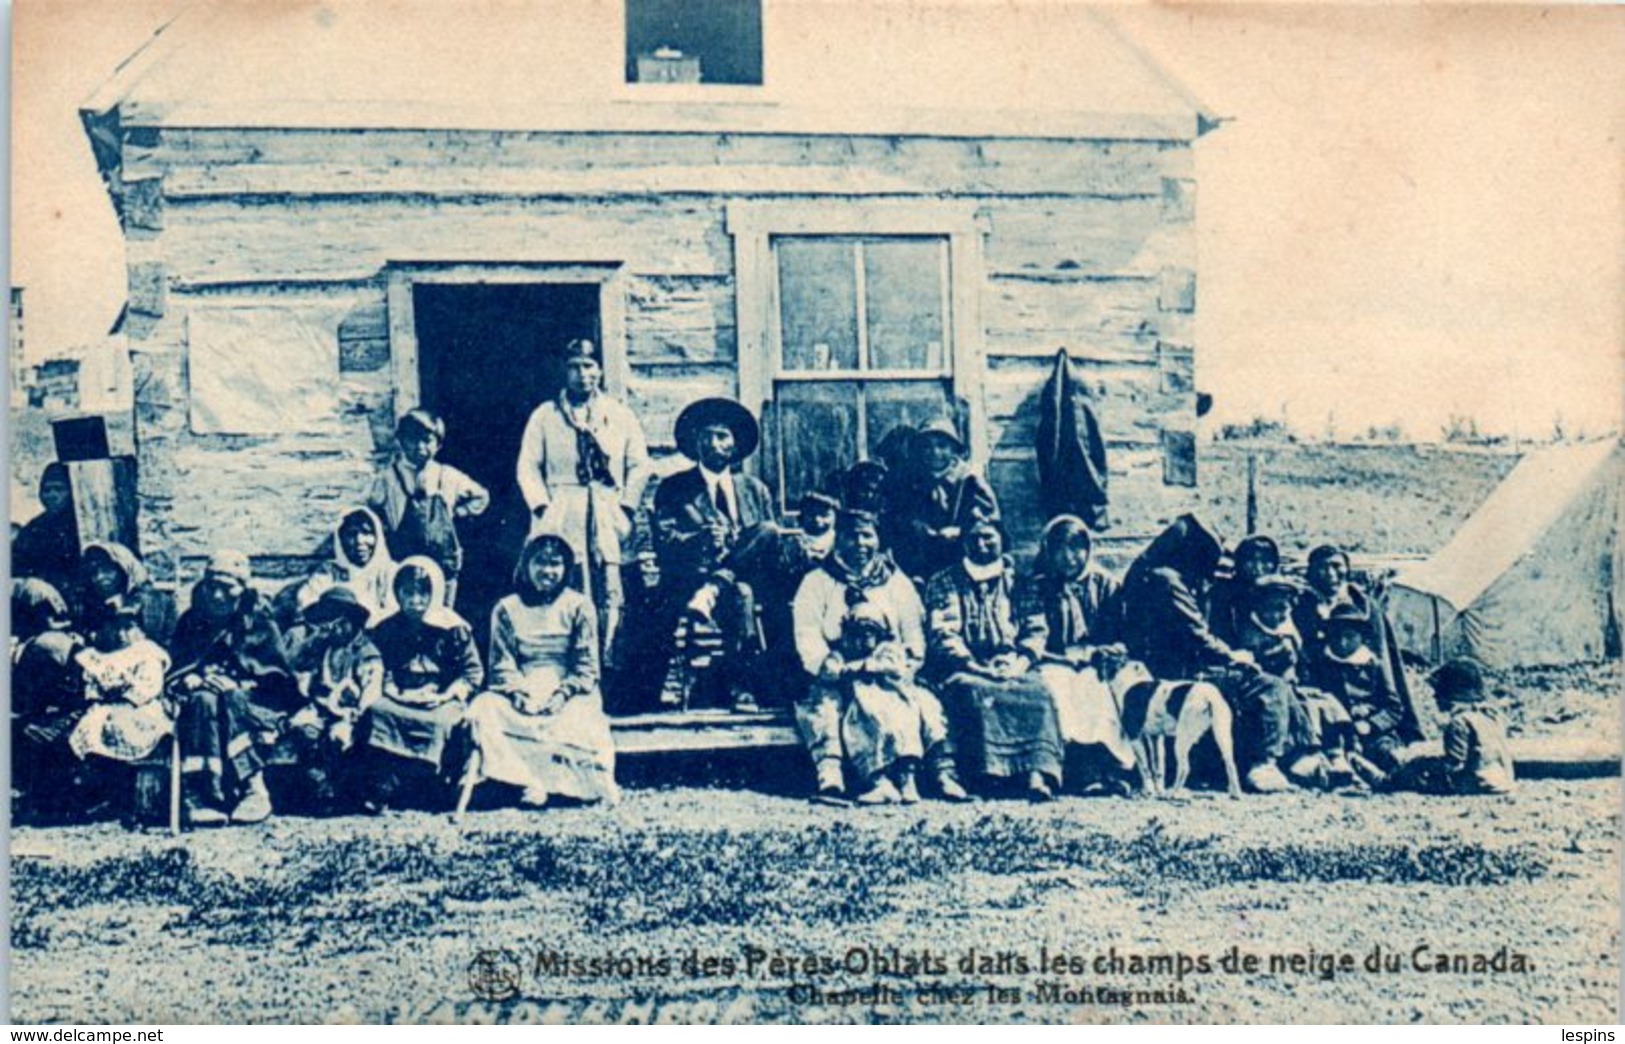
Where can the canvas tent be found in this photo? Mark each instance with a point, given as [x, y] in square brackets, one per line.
[1532, 577]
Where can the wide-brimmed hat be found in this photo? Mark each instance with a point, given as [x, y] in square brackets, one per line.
[1458, 681]
[705, 413]
[1347, 614]
[338, 602]
[944, 428]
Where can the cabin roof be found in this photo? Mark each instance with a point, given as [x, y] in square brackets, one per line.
[1030, 68]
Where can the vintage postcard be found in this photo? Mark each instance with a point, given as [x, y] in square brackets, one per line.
[805, 510]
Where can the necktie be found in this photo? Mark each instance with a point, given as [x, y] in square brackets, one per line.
[723, 507]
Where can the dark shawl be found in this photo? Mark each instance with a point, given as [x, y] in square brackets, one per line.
[246, 646]
[1164, 623]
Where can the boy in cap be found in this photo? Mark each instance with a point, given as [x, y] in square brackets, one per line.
[419, 499]
[1477, 759]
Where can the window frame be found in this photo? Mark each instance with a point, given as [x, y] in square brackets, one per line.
[754, 225]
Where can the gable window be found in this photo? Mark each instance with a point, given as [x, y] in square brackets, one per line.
[854, 321]
[694, 41]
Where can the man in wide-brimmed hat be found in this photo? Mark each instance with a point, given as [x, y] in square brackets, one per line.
[707, 521]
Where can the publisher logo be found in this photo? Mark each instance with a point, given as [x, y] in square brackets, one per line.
[494, 975]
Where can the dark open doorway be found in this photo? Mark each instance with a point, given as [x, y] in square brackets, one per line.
[489, 354]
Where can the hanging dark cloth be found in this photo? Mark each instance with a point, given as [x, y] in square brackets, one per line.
[1071, 450]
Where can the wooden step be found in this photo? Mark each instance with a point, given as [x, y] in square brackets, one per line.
[702, 730]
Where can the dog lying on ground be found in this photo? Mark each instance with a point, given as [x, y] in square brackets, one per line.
[1185, 711]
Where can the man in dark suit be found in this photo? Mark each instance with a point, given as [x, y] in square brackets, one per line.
[714, 528]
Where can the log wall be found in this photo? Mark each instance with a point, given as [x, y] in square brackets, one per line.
[1088, 245]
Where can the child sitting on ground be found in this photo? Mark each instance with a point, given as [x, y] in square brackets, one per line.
[1476, 759]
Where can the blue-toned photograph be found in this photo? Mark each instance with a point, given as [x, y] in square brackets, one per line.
[767, 511]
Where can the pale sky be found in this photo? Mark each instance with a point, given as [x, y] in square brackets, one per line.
[1414, 213]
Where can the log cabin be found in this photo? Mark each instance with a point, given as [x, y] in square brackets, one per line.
[849, 216]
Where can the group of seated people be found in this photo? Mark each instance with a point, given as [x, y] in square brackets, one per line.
[890, 621]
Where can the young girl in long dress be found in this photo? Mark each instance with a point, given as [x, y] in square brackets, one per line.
[431, 670]
[541, 727]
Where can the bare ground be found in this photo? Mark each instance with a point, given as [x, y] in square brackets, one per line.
[379, 919]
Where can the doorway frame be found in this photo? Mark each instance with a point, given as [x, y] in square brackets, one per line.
[609, 277]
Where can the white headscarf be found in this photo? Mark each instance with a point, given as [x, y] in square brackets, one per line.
[439, 614]
[372, 583]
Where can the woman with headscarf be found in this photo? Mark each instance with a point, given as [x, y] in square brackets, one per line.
[541, 726]
[1165, 627]
[359, 560]
[110, 575]
[1069, 610]
[234, 688]
[431, 669]
[980, 658]
[1329, 587]
[47, 697]
[893, 726]
[47, 547]
[929, 507]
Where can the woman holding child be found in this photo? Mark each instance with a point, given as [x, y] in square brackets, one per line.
[859, 631]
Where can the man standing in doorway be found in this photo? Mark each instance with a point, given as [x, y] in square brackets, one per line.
[583, 465]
